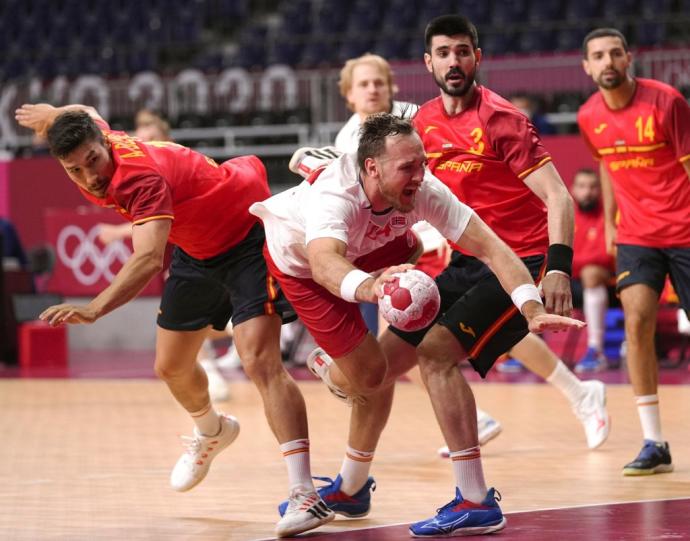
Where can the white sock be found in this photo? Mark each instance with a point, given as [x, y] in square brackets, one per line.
[595, 301]
[355, 470]
[566, 382]
[648, 410]
[296, 455]
[207, 421]
[469, 474]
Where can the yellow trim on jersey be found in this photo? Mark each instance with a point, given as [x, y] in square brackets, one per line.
[434, 154]
[629, 148]
[534, 168]
[684, 158]
[150, 218]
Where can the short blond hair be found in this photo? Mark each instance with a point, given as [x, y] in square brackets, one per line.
[345, 82]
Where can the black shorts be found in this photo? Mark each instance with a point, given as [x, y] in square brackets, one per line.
[202, 292]
[644, 265]
[477, 310]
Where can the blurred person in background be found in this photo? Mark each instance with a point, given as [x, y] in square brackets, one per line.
[593, 267]
[530, 107]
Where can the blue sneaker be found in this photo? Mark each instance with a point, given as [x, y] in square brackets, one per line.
[655, 457]
[592, 361]
[356, 506]
[461, 517]
[510, 366]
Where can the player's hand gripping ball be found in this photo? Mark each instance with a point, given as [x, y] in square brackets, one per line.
[411, 301]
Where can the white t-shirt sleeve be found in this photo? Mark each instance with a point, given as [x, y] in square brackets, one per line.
[328, 214]
[438, 206]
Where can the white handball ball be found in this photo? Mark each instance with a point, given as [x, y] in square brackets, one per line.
[411, 301]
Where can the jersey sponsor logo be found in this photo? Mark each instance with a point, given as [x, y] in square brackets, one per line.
[600, 128]
[429, 128]
[446, 146]
[78, 251]
[467, 330]
[622, 276]
[631, 163]
[465, 166]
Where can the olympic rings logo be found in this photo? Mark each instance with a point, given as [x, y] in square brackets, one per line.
[87, 251]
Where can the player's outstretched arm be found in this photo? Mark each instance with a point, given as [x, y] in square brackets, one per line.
[511, 272]
[40, 116]
[149, 240]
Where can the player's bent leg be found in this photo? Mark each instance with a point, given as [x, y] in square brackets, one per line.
[176, 365]
[362, 371]
[258, 344]
[587, 399]
[450, 394]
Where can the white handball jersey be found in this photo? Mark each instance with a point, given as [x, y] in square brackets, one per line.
[347, 140]
[335, 206]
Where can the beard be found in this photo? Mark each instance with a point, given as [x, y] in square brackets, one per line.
[614, 81]
[456, 91]
[588, 206]
[393, 199]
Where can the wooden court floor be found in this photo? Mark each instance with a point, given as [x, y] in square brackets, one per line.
[90, 459]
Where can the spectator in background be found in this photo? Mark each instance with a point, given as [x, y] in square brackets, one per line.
[592, 265]
[150, 125]
[13, 255]
[530, 107]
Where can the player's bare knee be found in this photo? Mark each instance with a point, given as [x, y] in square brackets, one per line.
[260, 366]
[168, 369]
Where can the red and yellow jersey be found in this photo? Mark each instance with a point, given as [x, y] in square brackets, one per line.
[589, 243]
[483, 154]
[643, 146]
[207, 202]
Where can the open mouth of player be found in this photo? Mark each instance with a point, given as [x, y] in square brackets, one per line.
[455, 77]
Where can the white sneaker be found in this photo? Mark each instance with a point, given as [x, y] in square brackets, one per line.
[592, 412]
[319, 363]
[230, 360]
[306, 160]
[193, 465]
[487, 428]
[218, 388]
[305, 511]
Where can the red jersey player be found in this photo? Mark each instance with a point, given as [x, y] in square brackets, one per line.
[170, 192]
[638, 130]
[592, 265]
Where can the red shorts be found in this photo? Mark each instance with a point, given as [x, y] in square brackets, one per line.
[335, 324]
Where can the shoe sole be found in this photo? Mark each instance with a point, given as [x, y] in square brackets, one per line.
[233, 437]
[305, 528]
[661, 468]
[478, 530]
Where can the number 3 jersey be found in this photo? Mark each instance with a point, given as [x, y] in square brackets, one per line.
[643, 146]
[483, 154]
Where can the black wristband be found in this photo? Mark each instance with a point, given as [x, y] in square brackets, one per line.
[560, 258]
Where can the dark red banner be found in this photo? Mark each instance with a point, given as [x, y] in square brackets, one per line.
[84, 266]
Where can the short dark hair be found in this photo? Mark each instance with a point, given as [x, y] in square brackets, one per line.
[70, 130]
[603, 33]
[586, 171]
[450, 25]
[373, 133]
